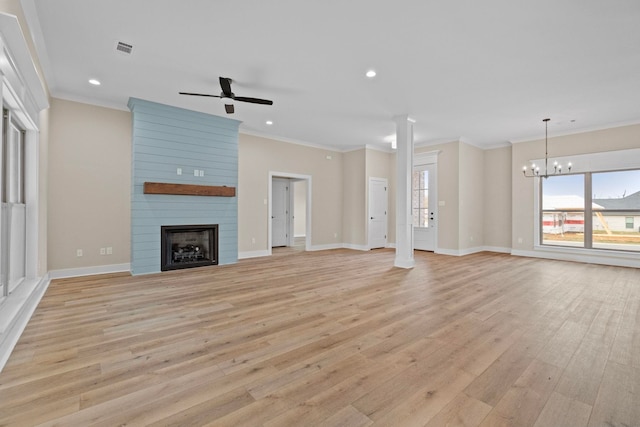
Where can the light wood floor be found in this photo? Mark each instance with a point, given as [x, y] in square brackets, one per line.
[335, 338]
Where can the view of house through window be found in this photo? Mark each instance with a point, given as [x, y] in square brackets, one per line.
[599, 210]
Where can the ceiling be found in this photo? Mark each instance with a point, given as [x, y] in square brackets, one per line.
[484, 72]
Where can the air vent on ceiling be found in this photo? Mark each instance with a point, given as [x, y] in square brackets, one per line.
[124, 47]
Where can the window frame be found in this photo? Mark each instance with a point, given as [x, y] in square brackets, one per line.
[419, 169]
[588, 213]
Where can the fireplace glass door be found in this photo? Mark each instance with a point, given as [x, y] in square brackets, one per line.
[186, 246]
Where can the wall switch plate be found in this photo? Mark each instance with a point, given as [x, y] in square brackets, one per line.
[109, 250]
[201, 173]
[196, 172]
[78, 252]
[103, 251]
[179, 171]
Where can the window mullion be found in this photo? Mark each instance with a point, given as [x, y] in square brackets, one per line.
[588, 212]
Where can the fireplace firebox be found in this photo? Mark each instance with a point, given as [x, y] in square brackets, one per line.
[186, 246]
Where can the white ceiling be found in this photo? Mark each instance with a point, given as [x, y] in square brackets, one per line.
[484, 72]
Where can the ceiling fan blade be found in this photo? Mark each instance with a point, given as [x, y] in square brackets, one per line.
[199, 94]
[253, 100]
[225, 84]
[228, 108]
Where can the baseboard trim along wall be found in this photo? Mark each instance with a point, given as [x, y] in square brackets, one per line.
[17, 309]
[355, 247]
[619, 260]
[89, 271]
[326, 247]
[253, 254]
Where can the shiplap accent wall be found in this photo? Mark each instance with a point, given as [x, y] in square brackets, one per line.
[166, 138]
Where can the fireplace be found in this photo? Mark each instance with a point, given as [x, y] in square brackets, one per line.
[186, 246]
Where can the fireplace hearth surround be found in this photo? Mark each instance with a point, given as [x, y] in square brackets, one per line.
[187, 246]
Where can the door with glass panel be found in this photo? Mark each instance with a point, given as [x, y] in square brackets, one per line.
[424, 207]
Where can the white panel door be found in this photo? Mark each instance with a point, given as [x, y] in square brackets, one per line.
[424, 207]
[279, 212]
[378, 205]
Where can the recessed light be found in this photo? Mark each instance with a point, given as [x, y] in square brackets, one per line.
[371, 74]
[94, 82]
[269, 122]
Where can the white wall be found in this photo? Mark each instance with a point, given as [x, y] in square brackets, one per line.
[258, 157]
[497, 199]
[89, 180]
[299, 208]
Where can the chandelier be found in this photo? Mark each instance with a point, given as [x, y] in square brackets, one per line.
[534, 171]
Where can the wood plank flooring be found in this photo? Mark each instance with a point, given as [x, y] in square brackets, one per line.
[335, 338]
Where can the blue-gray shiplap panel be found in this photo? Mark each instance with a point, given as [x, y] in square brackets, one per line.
[158, 113]
[178, 151]
[193, 135]
[165, 138]
[160, 162]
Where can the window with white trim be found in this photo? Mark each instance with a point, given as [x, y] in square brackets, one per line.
[591, 210]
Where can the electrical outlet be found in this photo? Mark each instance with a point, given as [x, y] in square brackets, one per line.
[103, 251]
[196, 172]
[109, 250]
[78, 252]
[179, 171]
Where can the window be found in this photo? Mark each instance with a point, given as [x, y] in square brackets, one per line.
[563, 211]
[628, 223]
[592, 210]
[13, 158]
[420, 199]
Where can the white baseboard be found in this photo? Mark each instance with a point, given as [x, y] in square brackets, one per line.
[355, 247]
[450, 252]
[326, 247]
[253, 254]
[497, 249]
[470, 251]
[16, 310]
[599, 257]
[89, 271]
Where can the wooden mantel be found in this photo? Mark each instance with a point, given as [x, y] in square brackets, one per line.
[188, 189]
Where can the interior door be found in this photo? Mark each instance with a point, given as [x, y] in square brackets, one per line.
[377, 213]
[279, 212]
[425, 221]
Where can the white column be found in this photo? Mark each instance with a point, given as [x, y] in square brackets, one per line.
[404, 170]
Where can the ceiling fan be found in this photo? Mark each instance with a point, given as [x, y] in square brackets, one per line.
[229, 97]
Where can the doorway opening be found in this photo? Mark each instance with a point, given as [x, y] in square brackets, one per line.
[289, 221]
